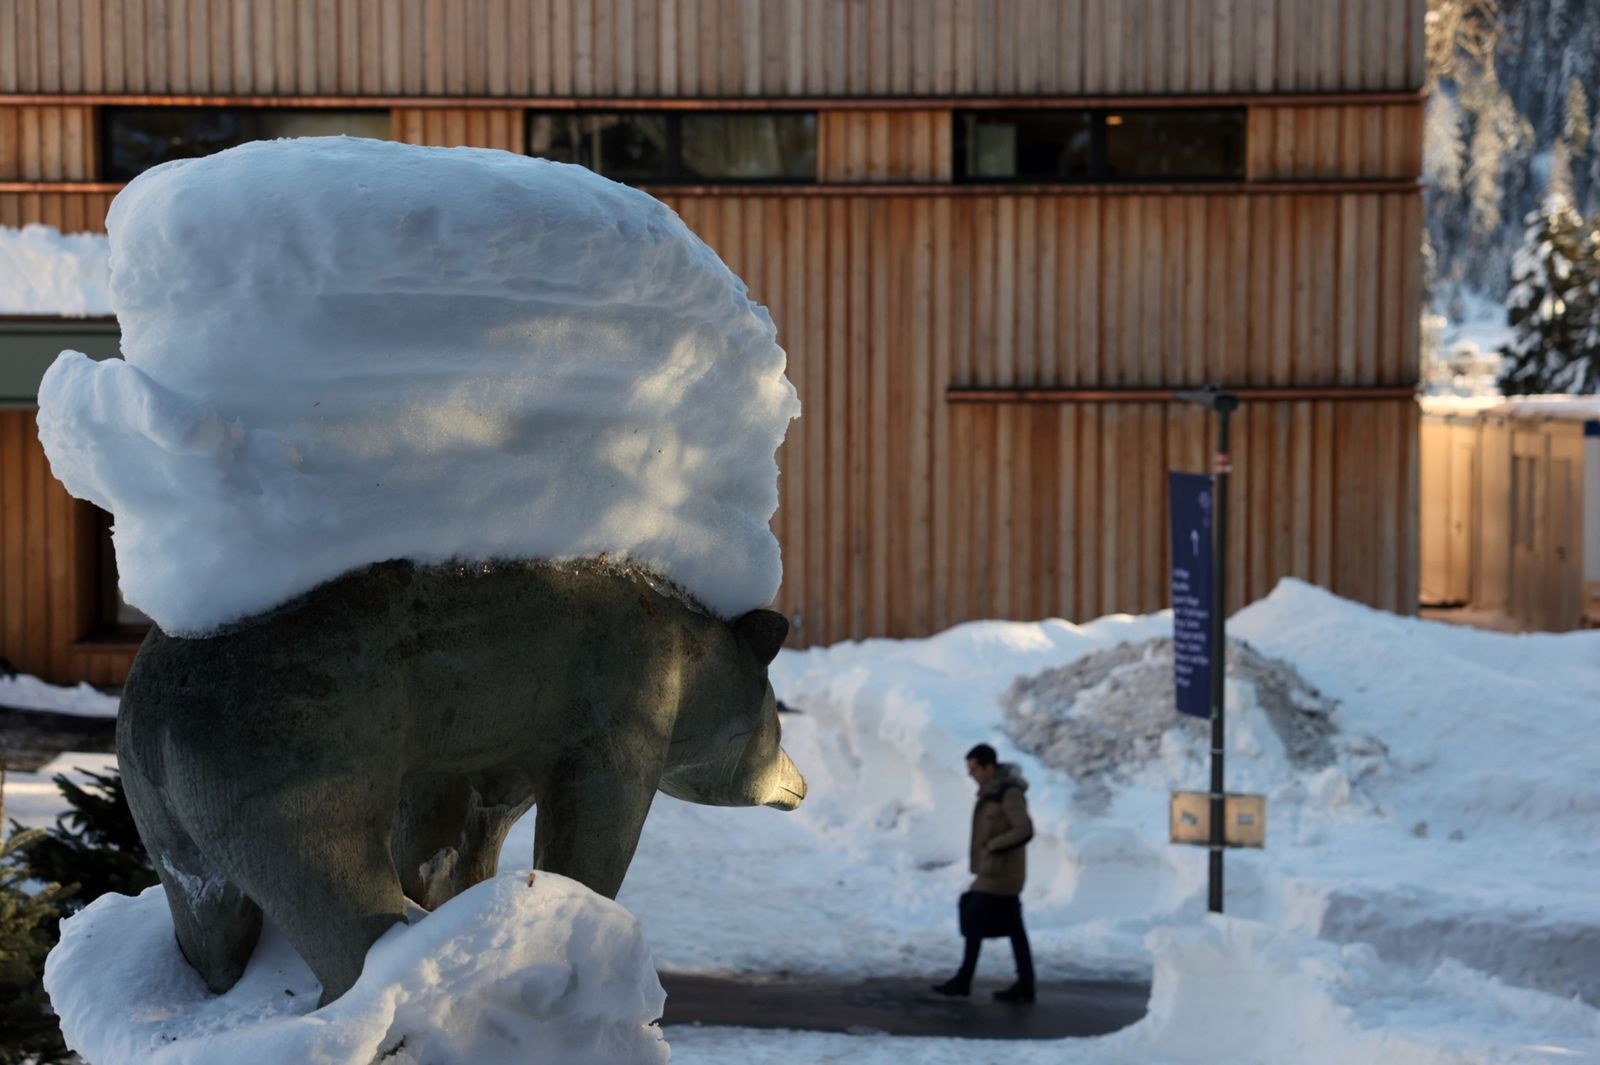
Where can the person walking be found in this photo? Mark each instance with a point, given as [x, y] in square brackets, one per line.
[992, 908]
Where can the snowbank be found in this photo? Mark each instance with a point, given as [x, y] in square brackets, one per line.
[22, 692]
[34, 801]
[504, 972]
[1448, 829]
[1240, 992]
[343, 351]
[44, 271]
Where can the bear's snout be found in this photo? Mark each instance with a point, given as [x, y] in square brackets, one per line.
[788, 787]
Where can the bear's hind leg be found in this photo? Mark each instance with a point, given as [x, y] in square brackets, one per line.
[323, 872]
[217, 925]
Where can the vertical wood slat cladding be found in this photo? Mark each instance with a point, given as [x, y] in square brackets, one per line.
[1501, 526]
[47, 567]
[1081, 553]
[47, 144]
[1174, 290]
[710, 47]
[1334, 142]
[70, 212]
[884, 146]
[901, 513]
[482, 127]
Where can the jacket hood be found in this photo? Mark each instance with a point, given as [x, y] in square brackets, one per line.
[1006, 773]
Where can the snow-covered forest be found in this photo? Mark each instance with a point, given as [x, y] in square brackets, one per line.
[1512, 153]
[1513, 88]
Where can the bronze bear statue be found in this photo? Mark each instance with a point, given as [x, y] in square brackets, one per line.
[375, 739]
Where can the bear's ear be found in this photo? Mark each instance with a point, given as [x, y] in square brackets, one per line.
[764, 631]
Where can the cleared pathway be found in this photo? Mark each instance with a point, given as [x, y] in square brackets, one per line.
[901, 1007]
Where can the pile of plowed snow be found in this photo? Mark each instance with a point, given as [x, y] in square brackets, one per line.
[1106, 715]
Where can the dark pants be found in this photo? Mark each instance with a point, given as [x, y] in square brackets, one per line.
[1019, 950]
[994, 916]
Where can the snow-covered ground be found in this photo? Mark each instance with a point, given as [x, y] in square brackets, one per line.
[33, 800]
[1425, 896]
[511, 970]
[22, 692]
[1431, 888]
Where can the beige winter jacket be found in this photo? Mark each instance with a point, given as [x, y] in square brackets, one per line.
[1001, 830]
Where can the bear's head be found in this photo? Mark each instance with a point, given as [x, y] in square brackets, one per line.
[725, 744]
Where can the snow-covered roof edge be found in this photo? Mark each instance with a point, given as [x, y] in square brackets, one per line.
[1563, 408]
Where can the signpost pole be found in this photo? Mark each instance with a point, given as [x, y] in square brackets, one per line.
[1223, 404]
[1219, 546]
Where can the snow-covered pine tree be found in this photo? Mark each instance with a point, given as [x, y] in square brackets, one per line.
[1551, 304]
[1582, 373]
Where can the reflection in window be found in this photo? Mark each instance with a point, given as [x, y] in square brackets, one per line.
[750, 147]
[558, 136]
[1024, 145]
[1191, 144]
[627, 146]
[138, 138]
[663, 147]
[1054, 145]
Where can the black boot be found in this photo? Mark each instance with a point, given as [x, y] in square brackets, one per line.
[1015, 993]
[961, 983]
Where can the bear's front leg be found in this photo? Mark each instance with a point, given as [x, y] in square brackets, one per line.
[589, 818]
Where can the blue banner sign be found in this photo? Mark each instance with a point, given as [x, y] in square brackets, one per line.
[1193, 656]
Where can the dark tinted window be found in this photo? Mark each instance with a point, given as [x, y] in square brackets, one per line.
[1024, 145]
[558, 137]
[750, 147]
[138, 138]
[646, 147]
[1189, 144]
[627, 146]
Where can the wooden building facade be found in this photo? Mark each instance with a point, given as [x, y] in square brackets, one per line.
[986, 357]
[1510, 511]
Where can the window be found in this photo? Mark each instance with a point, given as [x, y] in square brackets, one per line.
[1051, 145]
[749, 147]
[1190, 145]
[663, 147]
[1024, 145]
[624, 146]
[138, 138]
[114, 611]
